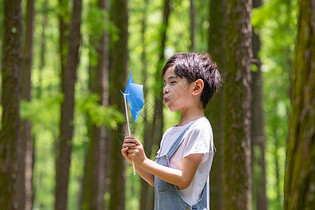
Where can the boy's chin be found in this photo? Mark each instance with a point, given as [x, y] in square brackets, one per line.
[172, 109]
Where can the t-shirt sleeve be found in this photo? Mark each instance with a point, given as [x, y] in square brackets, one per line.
[199, 141]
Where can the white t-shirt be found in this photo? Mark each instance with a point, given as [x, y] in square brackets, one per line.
[197, 140]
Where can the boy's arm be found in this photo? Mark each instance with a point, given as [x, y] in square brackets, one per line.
[147, 176]
[180, 177]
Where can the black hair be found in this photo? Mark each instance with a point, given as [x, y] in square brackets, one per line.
[193, 66]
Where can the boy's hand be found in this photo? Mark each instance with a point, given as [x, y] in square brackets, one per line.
[135, 151]
[126, 146]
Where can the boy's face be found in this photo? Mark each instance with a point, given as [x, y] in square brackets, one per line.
[177, 91]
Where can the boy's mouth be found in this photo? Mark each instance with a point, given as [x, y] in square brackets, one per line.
[165, 99]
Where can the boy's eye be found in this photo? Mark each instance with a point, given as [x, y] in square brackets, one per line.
[173, 82]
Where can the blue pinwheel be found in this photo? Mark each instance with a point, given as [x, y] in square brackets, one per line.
[134, 95]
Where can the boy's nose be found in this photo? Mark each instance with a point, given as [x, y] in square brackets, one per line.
[165, 90]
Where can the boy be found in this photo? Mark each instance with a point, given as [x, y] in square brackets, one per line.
[180, 173]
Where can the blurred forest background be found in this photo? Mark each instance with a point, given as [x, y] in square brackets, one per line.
[62, 116]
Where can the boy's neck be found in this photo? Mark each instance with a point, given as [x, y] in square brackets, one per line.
[190, 115]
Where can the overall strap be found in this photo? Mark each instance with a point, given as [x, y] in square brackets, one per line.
[177, 143]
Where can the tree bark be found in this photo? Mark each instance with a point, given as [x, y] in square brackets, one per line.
[146, 192]
[214, 111]
[237, 147]
[258, 143]
[10, 101]
[94, 181]
[300, 171]
[157, 124]
[68, 79]
[257, 127]
[119, 63]
[156, 130]
[26, 148]
[63, 17]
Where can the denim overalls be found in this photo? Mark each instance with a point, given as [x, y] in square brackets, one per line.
[167, 196]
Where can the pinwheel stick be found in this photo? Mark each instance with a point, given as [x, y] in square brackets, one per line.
[126, 108]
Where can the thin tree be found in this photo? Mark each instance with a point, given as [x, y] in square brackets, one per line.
[26, 148]
[68, 78]
[11, 70]
[214, 111]
[119, 64]
[63, 19]
[146, 192]
[156, 131]
[157, 124]
[93, 184]
[300, 171]
[237, 147]
[257, 126]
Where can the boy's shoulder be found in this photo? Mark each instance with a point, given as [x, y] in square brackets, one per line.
[202, 123]
[199, 134]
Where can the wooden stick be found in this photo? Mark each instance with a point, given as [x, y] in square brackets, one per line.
[126, 108]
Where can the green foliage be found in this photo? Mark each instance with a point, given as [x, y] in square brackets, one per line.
[98, 113]
[96, 22]
[253, 68]
[44, 112]
[63, 10]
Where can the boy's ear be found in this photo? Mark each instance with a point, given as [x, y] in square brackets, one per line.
[198, 87]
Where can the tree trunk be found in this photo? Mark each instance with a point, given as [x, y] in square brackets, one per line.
[258, 142]
[68, 79]
[257, 127]
[119, 64]
[63, 17]
[26, 148]
[93, 188]
[300, 171]
[146, 192]
[157, 124]
[10, 101]
[216, 47]
[192, 25]
[237, 147]
[156, 131]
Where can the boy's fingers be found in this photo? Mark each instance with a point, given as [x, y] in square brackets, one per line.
[129, 140]
[137, 142]
[129, 145]
[124, 153]
[129, 137]
[133, 141]
[125, 149]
